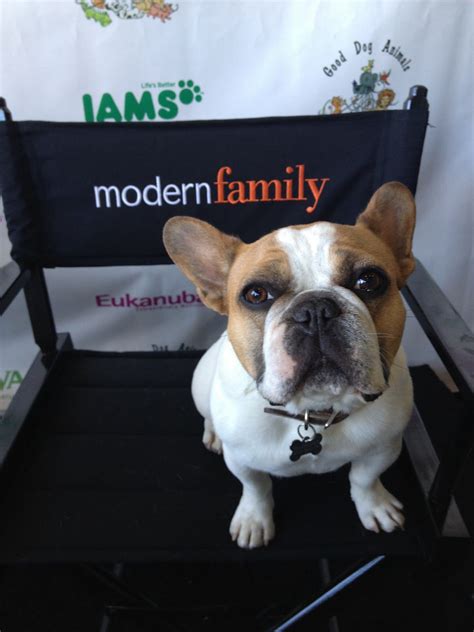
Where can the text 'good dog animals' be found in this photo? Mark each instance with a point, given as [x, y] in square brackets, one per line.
[315, 324]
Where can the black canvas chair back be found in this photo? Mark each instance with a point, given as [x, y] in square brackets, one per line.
[99, 194]
[105, 463]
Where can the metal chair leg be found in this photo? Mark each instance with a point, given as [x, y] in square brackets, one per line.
[141, 602]
[335, 588]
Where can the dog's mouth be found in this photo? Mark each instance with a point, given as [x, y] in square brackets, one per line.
[341, 364]
[316, 394]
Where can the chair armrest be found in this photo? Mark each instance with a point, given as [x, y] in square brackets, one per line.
[446, 330]
[12, 281]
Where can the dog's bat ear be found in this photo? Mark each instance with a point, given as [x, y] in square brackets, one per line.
[391, 215]
[204, 254]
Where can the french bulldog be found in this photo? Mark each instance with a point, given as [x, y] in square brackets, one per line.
[310, 374]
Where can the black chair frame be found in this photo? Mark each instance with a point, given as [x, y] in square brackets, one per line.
[438, 477]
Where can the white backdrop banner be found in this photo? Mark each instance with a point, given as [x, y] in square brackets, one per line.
[151, 60]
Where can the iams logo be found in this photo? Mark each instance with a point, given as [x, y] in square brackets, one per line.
[140, 303]
[163, 103]
[100, 10]
[296, 187]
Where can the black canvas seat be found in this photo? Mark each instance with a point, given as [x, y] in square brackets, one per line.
[113, 467]
[100, 453]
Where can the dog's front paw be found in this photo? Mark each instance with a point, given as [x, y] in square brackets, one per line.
[378, 510]
[252, 526]
[210, 438]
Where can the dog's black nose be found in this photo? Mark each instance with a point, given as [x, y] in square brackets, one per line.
[314, 314]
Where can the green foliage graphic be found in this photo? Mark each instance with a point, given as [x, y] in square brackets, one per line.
[91, 13]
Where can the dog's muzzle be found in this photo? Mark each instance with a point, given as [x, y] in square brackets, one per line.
[322, 343]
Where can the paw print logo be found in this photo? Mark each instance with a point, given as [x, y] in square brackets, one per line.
[189, 92]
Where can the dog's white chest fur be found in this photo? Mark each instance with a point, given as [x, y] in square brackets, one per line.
[225, 395]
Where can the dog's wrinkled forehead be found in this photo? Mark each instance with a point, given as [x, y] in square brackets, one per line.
[310, 253]
[324, 254]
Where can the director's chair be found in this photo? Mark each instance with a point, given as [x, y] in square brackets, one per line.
[101, 457]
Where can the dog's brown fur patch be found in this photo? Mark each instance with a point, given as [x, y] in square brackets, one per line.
[259, 261]
[358, 247]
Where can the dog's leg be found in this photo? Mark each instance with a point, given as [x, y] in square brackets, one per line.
[378, 510]
[210, 438]
[252, 524]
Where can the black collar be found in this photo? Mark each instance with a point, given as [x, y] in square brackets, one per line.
[320, 417]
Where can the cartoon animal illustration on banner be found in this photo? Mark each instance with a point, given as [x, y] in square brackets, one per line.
[100, 10]
[369, 93]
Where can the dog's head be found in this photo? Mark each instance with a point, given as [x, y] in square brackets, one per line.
[315, 313]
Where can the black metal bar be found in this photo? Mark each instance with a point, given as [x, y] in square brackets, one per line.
[113, 581]
[426, 463]
[39, 309]
[142, 613]
[445, 328]
[417, 99]
[5, 114]
[201, 609]
[23, 400]
[451, 467]
[143, 605]
[117, 572]
[12, 281]
[454, 343]
[335, 588]
[325, 573]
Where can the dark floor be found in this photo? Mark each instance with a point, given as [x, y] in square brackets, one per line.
[397, 595]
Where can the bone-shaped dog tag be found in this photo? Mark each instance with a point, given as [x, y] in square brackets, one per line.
[306, 446]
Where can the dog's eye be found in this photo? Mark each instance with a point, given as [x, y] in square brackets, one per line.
[370, 282]
[256, 295]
